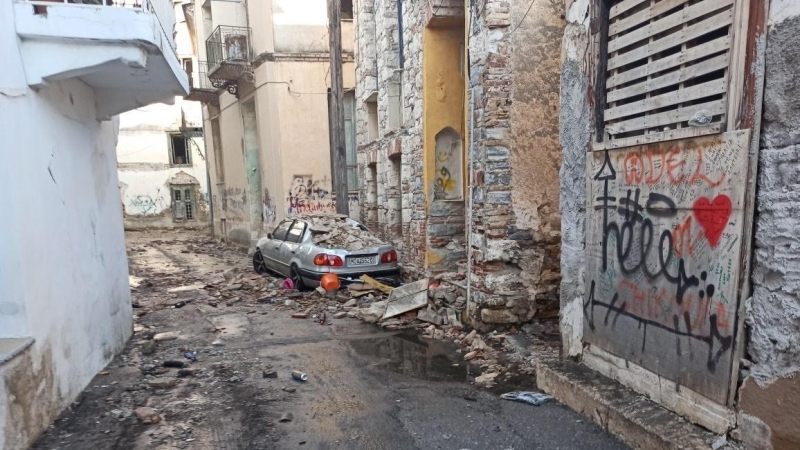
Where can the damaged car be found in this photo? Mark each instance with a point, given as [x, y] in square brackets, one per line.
[307, 247]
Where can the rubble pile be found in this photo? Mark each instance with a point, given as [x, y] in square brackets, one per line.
[339, 232]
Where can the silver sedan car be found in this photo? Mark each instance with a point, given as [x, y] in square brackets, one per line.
[307, 247]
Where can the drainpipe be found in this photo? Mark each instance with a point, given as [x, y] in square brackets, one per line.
[208, 186]
[470, 188]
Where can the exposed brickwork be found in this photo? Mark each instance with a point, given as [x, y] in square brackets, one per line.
[515, 242]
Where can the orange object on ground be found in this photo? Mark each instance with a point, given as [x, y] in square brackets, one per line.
[329, 282]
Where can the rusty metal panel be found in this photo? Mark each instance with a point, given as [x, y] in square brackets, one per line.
[663, 243]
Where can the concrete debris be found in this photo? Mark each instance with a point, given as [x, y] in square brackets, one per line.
[162, 383]
[300, 316]
[373, 313]
[147, 415]
[340, 232]
[169, 336]
[487, 379]
[340, 315]
[218, 343]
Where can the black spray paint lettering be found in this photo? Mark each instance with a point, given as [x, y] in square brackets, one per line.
[632, 258]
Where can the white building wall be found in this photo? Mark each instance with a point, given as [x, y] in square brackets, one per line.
[145, 172]
[63, 267]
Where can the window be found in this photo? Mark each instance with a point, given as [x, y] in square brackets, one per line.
[664, 66]
[372, 119]
[350, 140]
[395, 110]
[346, 10]
[179, 150]
[183, 206]
[280, 232]
[296, 232]
[188, 68]
[216, 140]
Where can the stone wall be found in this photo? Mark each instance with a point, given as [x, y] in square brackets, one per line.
[514, 84]
[392, 203]
[769, 394]
[515, 221]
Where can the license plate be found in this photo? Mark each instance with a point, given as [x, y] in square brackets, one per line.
[361, 261]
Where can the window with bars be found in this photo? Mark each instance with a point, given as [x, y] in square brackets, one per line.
[664, 65]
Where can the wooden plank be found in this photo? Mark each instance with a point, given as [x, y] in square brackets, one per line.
[665, 118]
[737, 76]
[643, 16]
[670, 98]
[687, 195]
[378, 285]
[749, 117]
[671, 21]
[675, 77]
[692, 32]
[708, 48]
[663, 136]
[624, 5]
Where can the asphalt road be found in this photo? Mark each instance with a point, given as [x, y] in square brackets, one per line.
[366, 389]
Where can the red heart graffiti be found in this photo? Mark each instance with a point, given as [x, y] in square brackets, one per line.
[713, 216]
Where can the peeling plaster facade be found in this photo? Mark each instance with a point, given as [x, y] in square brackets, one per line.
[760, 412]
[147, 173]
[65, 306]
[507, 59]
[268, 145]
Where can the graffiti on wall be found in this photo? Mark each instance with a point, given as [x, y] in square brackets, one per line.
[449, 183]
[307, 195]
[269, 212]
[145, 205]
[663, 243]
[233, 201]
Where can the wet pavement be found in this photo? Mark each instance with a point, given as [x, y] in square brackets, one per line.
[367, 389]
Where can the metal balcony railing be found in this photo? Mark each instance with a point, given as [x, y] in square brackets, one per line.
[228, 43]
[161, 9]
[198, 79]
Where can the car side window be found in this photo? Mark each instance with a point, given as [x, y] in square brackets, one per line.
[296, 232]
[280, 233]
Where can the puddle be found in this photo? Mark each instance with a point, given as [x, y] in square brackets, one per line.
[408, 354]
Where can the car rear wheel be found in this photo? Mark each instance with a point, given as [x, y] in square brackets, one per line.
[297, 279]
[258, 263]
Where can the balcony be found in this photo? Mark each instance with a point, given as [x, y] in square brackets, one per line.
[229, 52]
[123, 49]
[200, 87]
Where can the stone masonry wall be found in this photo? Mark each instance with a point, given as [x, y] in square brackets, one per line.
[515, 241]
[392, 202]
[769, 395]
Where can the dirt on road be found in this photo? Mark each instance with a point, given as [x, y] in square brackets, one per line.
[214, 345]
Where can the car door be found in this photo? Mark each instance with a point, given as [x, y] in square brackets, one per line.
[272, 248]
[292, 242]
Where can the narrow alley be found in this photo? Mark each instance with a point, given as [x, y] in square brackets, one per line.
[366, 388]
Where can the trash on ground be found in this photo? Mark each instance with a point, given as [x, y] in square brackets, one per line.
[288, 284]
[218, 343]
[191, 356]
[330, 282]
[299, 376]
[300, 316]
[530, 397]
[175, 364]
[286, 417]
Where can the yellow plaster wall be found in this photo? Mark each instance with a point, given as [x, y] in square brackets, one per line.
[443, 93]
